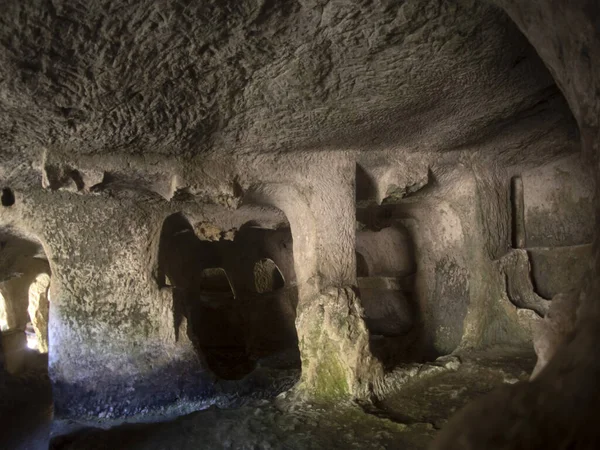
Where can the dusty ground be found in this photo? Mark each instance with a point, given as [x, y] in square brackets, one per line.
[406, 419]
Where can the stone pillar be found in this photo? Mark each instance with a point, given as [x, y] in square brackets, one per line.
[112, 346]
[333, 339]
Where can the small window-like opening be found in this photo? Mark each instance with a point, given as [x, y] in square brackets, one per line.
[8, 197]
[24, 307]
[267, 276]
[215, 280]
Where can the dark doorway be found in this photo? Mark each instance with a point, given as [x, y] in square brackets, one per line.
[233, 324]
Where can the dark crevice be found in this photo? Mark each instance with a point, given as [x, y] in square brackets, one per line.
[8, 197]
[534, 283]
[373, 409]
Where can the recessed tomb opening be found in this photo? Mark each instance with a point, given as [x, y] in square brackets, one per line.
[236, 290]
[267, 276]
[386, 267]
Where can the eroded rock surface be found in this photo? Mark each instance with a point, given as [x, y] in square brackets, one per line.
[410, 169]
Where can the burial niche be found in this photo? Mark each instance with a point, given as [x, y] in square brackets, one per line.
[556, 208]
[267, 276]
[235, 321]
[385, 269]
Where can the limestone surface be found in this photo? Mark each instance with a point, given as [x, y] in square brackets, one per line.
[231, 199]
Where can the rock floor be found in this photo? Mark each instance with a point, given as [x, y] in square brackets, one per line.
[406, 418]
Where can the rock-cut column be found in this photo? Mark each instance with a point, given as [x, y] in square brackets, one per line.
[333, 339]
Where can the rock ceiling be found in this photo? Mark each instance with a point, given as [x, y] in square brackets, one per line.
[183, 78]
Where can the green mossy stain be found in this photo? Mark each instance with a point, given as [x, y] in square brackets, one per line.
[325, 378]
[330, 379]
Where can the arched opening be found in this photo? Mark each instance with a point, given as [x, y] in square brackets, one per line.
[237, 291]
[24, 303]
[215, 280]
[267, 276]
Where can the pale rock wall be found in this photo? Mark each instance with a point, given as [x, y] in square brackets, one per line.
[16, 292]
[387, 252]
[558, 408]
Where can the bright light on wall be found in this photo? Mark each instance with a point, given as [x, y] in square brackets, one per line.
[3, 319]
[32, 343]
[32, 340]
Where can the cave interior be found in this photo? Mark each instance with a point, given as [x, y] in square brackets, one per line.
[299, 224]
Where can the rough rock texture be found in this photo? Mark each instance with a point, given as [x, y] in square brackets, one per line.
[406, 419]
[241, 84]
[334, 345]
[388, 312]
[559, 269]
[242, 115]
[264, 426]
[267, 276]
[387, 252]
[558, 204]
[556, 410]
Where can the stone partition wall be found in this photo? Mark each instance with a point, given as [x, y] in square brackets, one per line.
[557, 409]
[558, 203]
